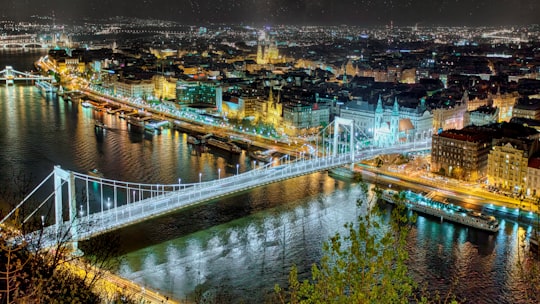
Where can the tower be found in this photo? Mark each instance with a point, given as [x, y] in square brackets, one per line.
[379, 111]
[344, 78]
[394, 122]
[260, 59]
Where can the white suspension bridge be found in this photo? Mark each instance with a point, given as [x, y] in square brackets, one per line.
[106, 205]
[10, 75]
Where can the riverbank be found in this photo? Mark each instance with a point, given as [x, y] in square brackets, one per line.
[525, 212]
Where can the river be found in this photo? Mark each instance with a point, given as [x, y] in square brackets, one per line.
[239, 247]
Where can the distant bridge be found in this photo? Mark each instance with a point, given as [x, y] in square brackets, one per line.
[107, 204]
[9, 75]
[23, 42]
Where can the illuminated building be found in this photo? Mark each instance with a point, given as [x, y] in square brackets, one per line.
[134, 88]
[193, 92]
[505, 103]
[484, 115]
[301, 118]
[241, 103]
[462, 154]
[272, 110]
[165, 87]
[267, 51]
[508, 164]
[451, 117]
[388, 125]
[533, 177]
[528, 109]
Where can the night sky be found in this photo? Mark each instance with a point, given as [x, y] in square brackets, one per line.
[268, 12]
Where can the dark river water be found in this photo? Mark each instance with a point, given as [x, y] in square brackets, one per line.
[237, 247]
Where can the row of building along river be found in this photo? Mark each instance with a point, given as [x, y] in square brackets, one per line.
[237, 247]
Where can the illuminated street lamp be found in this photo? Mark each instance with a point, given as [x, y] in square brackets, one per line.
[219, 173]
[200, 177]
[237, 166]
[108, 203]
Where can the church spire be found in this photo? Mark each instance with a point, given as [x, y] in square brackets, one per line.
[395, 110]
[271, 96]
[379, 105]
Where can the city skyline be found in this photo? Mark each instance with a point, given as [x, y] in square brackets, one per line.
[323, 12]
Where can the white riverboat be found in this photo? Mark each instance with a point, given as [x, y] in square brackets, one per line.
[444, 210]
[263, 156]
[193, 140]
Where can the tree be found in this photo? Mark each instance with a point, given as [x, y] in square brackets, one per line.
[31, 273]
[366, 265]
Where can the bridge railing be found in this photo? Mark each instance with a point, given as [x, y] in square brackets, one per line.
[166, 198]
[155, 200]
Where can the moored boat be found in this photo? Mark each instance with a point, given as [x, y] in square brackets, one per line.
[193, 140]
[264, 156]
[444, 210]
[343, 173]
[224, 145]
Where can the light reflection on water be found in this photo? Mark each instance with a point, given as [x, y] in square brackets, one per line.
[243, 244]
[246, 256]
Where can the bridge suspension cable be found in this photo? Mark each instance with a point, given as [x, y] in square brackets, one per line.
[104, 204]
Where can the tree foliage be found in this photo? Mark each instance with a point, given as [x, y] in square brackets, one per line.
[31, 273]
[367, 264]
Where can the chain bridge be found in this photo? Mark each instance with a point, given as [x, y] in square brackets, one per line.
[10, 75]
[96, 205]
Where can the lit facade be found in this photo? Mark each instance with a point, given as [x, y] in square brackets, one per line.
[267, 51]
[505, 103]
[303, 118]
[272, 111]
[533, 177]
[199, 92]
[165, 87]
[134, 88]
[483, 116]
[455, 117]
[529, 110]
[390, 125]
[462, 154]
[508, 166]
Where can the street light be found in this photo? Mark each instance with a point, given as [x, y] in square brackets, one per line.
[200, 177]
[219, 173]
[133, 196]
[237, 166]
[108, 203]
[179, 183]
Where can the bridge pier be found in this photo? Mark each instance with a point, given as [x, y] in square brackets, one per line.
[60, 177]
[349, 123]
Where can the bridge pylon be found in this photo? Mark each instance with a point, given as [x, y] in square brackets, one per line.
[60, 178]
[338, 122]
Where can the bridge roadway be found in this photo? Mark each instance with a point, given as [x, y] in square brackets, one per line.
[189, 195]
